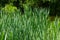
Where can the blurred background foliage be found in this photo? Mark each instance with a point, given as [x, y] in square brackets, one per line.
[9, 8]
[53, 5]
[34, 24]
[21, 4]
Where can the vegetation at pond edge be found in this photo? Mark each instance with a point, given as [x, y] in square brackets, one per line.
[29, 20]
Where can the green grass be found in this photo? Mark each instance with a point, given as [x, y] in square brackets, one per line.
[29, 26]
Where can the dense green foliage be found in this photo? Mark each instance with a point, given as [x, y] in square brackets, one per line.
[30, 26]
[20, 4]
[34, 24]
